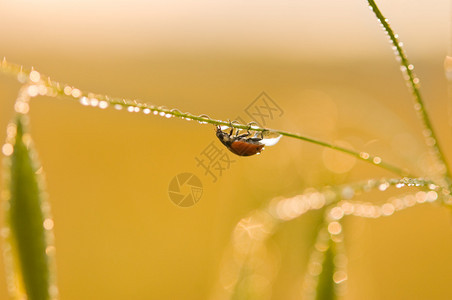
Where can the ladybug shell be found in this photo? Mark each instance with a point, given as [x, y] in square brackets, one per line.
[245, 148]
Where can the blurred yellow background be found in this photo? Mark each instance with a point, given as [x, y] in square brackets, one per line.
[326, 64]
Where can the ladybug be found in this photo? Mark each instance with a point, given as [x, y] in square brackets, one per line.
[243, 144]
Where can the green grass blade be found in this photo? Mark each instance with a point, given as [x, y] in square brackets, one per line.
[326, 285]
[413, 83]
[25, 218]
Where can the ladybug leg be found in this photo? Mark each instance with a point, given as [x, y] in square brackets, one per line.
[243, 135]
[248, 133]
[256, 138]
[232, 128]
[262, 133]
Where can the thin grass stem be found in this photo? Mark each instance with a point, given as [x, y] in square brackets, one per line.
[45, 86]
[413, 83]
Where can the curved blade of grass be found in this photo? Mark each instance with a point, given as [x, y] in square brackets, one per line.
[413, 83]
[27, 239]
[56, 89]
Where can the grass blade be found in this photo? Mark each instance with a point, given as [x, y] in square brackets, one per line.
[28, 230]
[326, 285]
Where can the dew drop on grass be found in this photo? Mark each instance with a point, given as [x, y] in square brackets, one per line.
[103, 104]
[270, 138]
[94, 102]
[84, 101]
[383, 186]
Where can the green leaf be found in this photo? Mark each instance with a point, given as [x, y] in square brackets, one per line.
[326, 285]
[25, 218]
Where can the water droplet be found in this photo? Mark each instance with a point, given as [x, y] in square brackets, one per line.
[417, 107]
[336, 213]
[432, 186]
[270, 138]
[22, 77]
[48, 224]
[53, 291]
[33, 91]
[316, 200]
[42, 89]
[399, 185]
[383, 186]
[432, 196]
[315, 269]
[347, 207]
[387, 209]
[118, 106]
[35, 76]
[376, 160]
[94, 102]
[348, 192]
[84, 101]
[76, 93]
[50, 250]
[103, 104]
[21, 107]
[146, 111]
[11, 130]
[430, 141]
[7, 149]
[5, 232]
[420, 197]
[334, 228]
[339, 276]
[130, 108]
[364, 155]
[67, 90]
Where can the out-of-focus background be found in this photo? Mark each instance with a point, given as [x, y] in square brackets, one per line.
[329, 68]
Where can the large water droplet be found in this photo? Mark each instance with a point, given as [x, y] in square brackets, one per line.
[270, 138]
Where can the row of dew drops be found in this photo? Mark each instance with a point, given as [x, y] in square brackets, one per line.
[250, 236]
